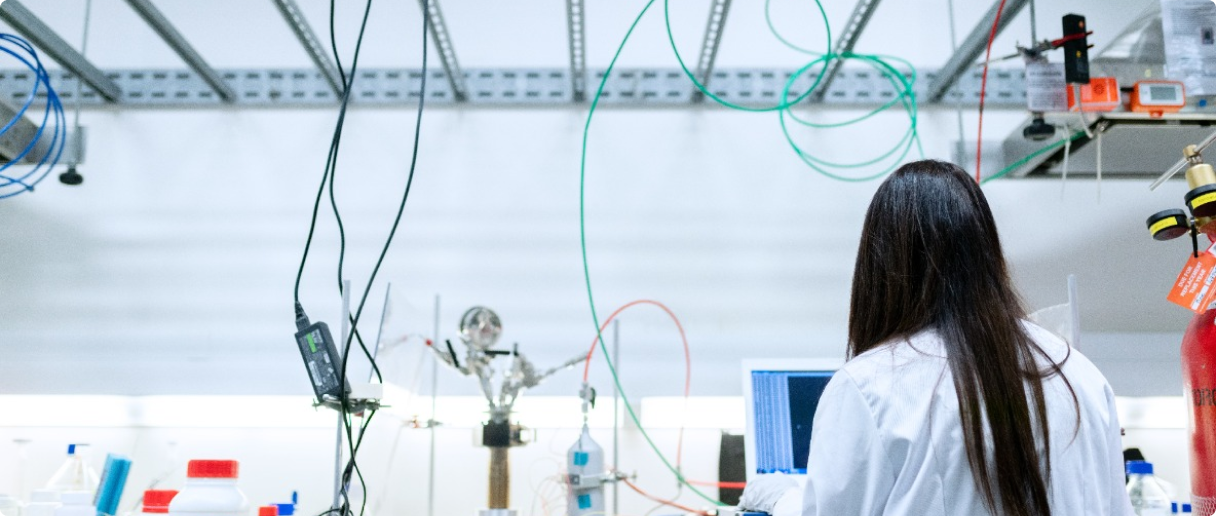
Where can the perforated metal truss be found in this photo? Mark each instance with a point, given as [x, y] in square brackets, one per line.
[658, 88]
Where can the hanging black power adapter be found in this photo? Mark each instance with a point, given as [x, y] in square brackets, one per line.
[321, 357]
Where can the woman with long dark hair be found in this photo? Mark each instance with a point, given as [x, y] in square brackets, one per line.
[951, 402]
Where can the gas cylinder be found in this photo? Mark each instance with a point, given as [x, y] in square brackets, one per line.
[1199, 385]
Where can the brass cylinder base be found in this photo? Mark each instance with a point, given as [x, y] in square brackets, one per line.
[500, 478]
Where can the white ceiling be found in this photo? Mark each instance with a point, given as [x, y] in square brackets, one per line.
[532, 33]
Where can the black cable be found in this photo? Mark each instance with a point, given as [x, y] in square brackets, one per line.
[355, 445]
[388, 242]
[331, 164]
[335, 141]
[331, 172]
[352, 467]
[333, 45]
[328, 178]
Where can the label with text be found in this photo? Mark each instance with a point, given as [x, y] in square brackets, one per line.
[1194, 289]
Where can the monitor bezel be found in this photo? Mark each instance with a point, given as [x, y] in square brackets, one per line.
[810, 365]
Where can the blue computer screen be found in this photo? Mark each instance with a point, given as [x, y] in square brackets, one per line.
[785, 403]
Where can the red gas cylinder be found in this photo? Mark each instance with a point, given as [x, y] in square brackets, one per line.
[1199, 385]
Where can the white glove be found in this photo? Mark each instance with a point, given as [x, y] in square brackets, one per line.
[764, 491]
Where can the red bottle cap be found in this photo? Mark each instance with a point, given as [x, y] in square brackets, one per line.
[213, 469]
[156, 501]
[269, 510]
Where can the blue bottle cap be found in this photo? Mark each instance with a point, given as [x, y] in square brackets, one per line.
[286, 509]
[1139, 467]
[1186, 507]
[71, 449]
[1174, 507]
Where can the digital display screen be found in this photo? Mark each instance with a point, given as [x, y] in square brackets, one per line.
[1163, 93]
[784, 404]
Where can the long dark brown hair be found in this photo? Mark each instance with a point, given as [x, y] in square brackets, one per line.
[930, 258]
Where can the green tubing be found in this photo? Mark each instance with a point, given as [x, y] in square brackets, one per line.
[582, 222]
[1033, 155]
[784, 104]
[903, 84]
[768, 18]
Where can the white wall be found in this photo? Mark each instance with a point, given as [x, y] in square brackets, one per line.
[170, 270]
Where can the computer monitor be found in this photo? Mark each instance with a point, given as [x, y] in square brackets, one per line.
[780, 397]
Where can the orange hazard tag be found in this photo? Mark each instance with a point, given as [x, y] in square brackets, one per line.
[1194, 289]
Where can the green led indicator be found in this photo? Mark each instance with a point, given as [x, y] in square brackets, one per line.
[312, 343]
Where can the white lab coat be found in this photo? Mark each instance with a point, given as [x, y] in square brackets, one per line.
[887, 438]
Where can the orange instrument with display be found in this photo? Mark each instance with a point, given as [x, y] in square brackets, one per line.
[1157, 97]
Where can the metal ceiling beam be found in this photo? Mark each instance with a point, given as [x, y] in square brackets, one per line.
[19, 136]
[709, 45]
[848, 39]
[159, 23]
[24, 21]
[971, 48]
[575, 26]
[308, 39]
[662, 88]
[447, 53]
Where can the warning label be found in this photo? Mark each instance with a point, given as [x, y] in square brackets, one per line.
[1194, 289]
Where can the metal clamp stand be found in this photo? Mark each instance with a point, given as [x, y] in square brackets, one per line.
[358, 399]
[479, 330]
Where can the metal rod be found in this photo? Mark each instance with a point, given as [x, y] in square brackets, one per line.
[1076, 311]
[341, 414]
[308, 39]
[576, 30]
[1034, 30]
[616, 414]
[345, 317]
[709, 45]
[1181, 164]
[430, 486]
[371, 374]
[447, 53]
[159, 23]
[971, 48]
[74, 158]
[848, 39]
[22, 20]
[960, 148]
[338, 463]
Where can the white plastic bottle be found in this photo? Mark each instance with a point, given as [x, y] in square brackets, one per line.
[210, 490]
[9, 506]
[76, 503]
[74, 475]
[1148, 498]
[43, 502]
[585, 461]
